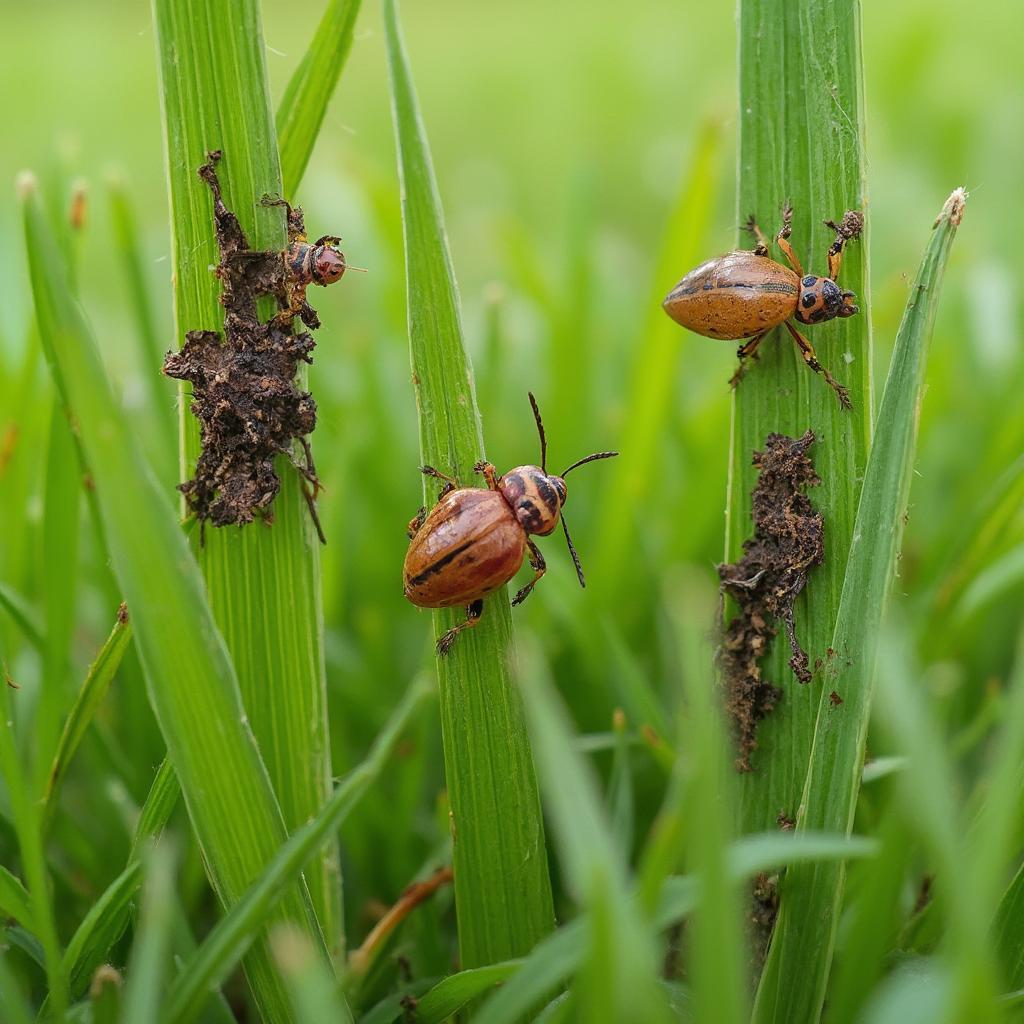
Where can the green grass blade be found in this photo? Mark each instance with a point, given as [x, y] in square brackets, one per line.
[94, 689]
[63, 502]
[28, 827]
[1008, 931]
[12, 1000]
[715, 941]
[305, 101]
[314, 988]
[160, 801]
[449, 996]
[101, 927]
[151, 951]
[928, 789]
[802, 140]
[23, 616]
[14, 898]
[147, 337]
[502, 889]
[191, 681]
[618, 981]
[221, 950]
[793, 985]
[264, 584]
[657, 351]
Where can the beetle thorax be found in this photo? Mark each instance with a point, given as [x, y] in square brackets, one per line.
[535, 498]
[820, 300]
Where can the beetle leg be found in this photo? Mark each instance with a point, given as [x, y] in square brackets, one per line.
[416, 522]
[748, 350]
[783, 239]
[473, 613]
[761, 249]
[539, 568]
[849, 227]
[807, 351]
[488, 472]
[450, 483]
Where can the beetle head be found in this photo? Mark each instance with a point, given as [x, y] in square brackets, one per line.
[538, 497]
[821, 299]
[329, 265]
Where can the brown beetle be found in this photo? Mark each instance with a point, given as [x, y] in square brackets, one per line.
[746, 294]
[475, 538]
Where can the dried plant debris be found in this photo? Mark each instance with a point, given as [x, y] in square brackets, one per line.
[243, 386]
[788, 542]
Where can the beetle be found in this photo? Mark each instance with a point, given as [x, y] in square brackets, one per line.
[321, 262]
[745, 294]
[474, 539]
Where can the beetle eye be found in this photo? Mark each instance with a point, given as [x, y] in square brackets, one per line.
[559, 485]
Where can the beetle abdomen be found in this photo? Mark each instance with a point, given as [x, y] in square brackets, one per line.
[734, 296]
[469, 545]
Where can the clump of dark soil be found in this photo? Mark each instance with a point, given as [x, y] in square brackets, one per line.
[243, 386]
[788, 542]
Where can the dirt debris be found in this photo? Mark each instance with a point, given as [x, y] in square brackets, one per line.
[788, 542]
[243, 387]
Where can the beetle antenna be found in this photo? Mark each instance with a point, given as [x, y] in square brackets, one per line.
[540, 430]
[589, 458]
[572, 551]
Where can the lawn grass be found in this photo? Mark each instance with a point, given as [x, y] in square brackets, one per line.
[182, 782]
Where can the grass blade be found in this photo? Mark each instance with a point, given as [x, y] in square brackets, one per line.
[801, 79]
[27, 825]
[191, 681]
[12, 1001]
[22, 615]
[94, 689]
[618, 982]
[305, 101]
[101, 927]
[151, 351]
[14, 898]
[221, 950]
[263, 584]
[793, 985]
[502, 889]
[314, 988]
[150, 954]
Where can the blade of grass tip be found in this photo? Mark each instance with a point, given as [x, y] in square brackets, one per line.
[928, 789]
[222, 948]
[502, 888]
[145, 334]
[23, 616]
[26, 820]
[657, 351]
[449, 996]
[105, 996]
[619, 981]
[264, 584]
[715, 941]
[800, 78]
[191, 682]
[12, 999]
[796, 972]
[150, 952]
[313, 987]
[309, 91]
[94, 689]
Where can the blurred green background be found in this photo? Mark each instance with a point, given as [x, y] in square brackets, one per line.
[562, 135]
